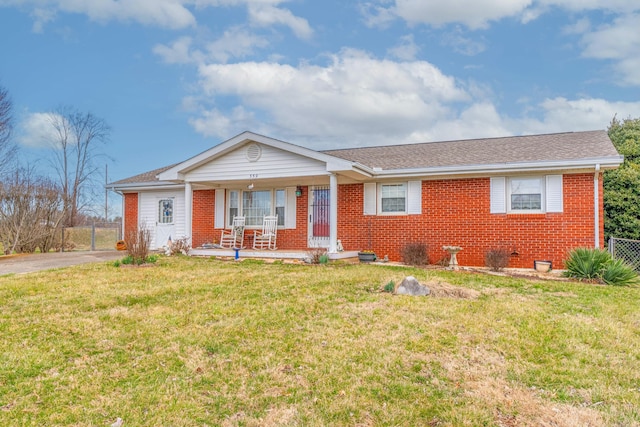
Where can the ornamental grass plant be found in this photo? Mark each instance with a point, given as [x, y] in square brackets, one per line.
[598, 265]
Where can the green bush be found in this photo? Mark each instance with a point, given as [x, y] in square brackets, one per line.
[597, 264]
[618, 273]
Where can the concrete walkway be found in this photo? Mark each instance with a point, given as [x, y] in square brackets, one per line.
[28, 263]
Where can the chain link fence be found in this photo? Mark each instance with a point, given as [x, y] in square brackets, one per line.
[95, 237]
[627, 250]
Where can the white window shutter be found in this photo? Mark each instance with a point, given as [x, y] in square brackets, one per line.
[370, 198]
[498, 194]
[290, 208]
[554, 193]
[219, 209]
[414, 197]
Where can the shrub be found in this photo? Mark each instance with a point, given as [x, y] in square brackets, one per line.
[584, 263]
[618, 273]
[415, 254]
[318, 256]
[597, 264]
[138, 243]
[496, 259]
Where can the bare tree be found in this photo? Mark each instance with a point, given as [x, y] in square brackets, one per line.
[31, 212]
[77, 142]
[8, 148]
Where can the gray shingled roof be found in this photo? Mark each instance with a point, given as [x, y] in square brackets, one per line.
[513, 149]
[556, 147]
[150, 176]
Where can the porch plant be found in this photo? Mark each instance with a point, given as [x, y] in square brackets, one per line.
[367, 255]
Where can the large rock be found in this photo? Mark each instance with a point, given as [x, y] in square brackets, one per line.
[411, 286]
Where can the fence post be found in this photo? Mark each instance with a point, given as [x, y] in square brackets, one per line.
[93, 236]
[62, 240]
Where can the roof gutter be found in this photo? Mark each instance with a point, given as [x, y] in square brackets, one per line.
[604, 163]
[139, 186]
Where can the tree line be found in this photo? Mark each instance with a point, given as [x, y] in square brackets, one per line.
[34, 206]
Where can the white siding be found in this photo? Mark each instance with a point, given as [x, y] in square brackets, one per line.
[498, 194]
[148, 212]
[273, 163]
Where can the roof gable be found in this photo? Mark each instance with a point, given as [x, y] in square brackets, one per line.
[178, 171]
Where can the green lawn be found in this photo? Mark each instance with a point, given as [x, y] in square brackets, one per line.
[202, 342]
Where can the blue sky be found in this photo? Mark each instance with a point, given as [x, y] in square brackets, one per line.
[175, 77]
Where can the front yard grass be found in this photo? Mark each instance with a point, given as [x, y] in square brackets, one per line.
[203, 342]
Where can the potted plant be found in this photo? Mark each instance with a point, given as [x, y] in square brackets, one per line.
[366, 256]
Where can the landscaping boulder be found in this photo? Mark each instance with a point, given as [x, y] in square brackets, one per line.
[411, 286]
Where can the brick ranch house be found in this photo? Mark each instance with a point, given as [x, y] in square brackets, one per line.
[536, 196]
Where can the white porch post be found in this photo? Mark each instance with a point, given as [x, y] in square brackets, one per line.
[188, 209]
[333, 213]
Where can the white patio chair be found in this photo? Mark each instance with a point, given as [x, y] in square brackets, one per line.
[266, 239]
[234, 237]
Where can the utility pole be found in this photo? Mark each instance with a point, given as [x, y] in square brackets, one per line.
[106, 193]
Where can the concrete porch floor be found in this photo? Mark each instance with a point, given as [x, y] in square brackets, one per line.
[277, 254]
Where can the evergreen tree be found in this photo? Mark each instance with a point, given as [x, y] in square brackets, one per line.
[622, 186]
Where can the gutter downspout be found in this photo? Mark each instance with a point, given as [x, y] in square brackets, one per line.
[188, 211]
[333, 213]
[596, 206]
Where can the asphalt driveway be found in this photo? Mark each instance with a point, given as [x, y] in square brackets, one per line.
[28, 263]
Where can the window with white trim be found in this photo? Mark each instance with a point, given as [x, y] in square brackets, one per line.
[254, 205]
[165, 211]
[526, 194]
[393, 198]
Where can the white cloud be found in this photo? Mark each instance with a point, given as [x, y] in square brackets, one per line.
[406, 49]
[354, 96]
[620, 42]
[266, 15]
[179, 52]
[472, 13]
[36, 131]
[235, 43]
[461, 44]
[561, 115]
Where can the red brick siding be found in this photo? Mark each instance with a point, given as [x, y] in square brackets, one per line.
[456, 212]
[130, 213]
[202, 217]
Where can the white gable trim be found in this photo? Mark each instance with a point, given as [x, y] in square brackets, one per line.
[333, 163]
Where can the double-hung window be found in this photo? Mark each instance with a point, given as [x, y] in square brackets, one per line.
[393, 198]
[526, 194]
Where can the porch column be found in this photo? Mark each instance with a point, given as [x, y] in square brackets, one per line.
[188, 209]
[333, 213]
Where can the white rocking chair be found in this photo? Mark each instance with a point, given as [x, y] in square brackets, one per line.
[234, 237]
[266, 239]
